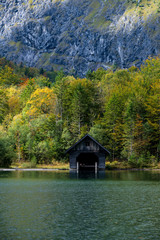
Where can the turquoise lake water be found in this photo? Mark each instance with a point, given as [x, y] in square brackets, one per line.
[116, 205]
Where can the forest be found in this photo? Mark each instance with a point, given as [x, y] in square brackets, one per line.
[43, 113]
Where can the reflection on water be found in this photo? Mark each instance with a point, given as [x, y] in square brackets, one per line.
[63, 205]
[87, 174]
[68, 175]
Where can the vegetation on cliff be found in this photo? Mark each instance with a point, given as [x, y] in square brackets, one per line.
[44, 113]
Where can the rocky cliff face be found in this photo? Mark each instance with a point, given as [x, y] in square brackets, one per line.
[79, 35]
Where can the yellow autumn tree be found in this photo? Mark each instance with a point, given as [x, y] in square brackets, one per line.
[8, 77]
[42, 101]
[14, 101]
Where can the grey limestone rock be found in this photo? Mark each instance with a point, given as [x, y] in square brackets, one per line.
[78, 35]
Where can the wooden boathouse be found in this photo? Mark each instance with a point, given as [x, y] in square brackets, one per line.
[87, 154]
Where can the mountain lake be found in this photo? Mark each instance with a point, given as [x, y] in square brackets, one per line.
[63, 205]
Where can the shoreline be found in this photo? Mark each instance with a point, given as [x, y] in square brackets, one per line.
[65, 169]
[31, 169]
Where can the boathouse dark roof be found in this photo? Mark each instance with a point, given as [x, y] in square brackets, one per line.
[83, 138]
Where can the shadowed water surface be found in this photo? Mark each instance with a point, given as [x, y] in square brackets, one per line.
[62, 205]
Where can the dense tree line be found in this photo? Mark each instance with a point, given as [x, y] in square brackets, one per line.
[44, 113]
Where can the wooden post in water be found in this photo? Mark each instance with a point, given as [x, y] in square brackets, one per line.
[95, 167]
[77, 166]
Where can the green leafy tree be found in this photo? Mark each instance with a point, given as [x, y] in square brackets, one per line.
[3, 104]
[6, 153]
[84, 105]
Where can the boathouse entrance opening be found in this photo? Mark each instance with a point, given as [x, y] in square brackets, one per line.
[87, 161]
